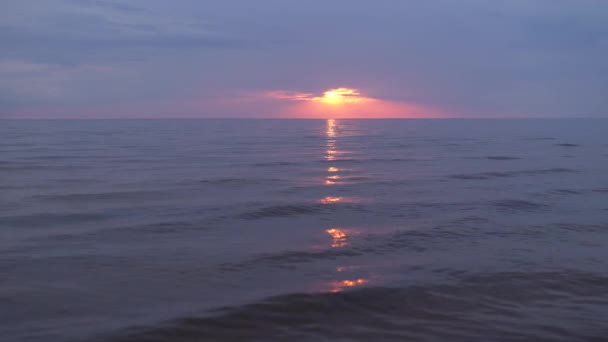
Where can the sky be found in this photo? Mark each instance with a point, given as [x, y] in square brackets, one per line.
[314, 58]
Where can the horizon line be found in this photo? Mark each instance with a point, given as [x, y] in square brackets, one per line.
[300, 118]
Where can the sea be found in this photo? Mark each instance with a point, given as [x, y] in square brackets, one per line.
[303, 230]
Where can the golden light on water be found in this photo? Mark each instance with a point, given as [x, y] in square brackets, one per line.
[345, 284]
[331, 133]
[339, 237]
[336, 233]
[334, 131]
[333, 180]
[331, 199]
[331, 128]
[351, 283]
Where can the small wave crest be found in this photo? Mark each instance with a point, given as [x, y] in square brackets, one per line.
[518, 205]
[237, 181]
[484, 307]
[506, 174]
[282, 211]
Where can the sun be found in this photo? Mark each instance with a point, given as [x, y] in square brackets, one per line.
[340, 96]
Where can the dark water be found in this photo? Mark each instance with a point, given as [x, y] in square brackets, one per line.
[304, 230]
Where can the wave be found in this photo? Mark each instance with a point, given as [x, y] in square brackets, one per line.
[501, 158]
[540, 139]
[565, 192]
[21, 166]
[101, 196]
[283, 211]
[398, 159]
[518, 205]
[283, 163]
[289, 258]
[237, 181]
[547, 306]
[342, 160]
[375, 160]
[497, 158]
[46, 219]
[506, 174]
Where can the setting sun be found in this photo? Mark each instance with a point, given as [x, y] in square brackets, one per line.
[345, 102]
[340, 96]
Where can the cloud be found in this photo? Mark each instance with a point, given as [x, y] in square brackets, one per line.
[289, 95]
[334, 95]
[78, 32]
[113, 5]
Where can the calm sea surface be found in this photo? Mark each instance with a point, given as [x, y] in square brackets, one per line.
[304, 230]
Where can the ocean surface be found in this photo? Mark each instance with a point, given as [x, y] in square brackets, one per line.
[304, 230]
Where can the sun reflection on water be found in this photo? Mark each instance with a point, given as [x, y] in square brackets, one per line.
[331, 199]
[331, 128]
[339, 237]
[342, 285]
[331, 153]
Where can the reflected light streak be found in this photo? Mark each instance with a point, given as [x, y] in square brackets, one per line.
[345, 284]
[331, 128]
[333, 180]
[336, 233]
[330, 200]
[339, 237]
[339, 199]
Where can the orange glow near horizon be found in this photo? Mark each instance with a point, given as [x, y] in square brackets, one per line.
[347, 102]
[341, 102]
[338, 96]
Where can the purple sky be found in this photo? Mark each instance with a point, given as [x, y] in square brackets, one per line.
[230, 58]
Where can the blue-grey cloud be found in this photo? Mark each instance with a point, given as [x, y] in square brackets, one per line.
[114, 5]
